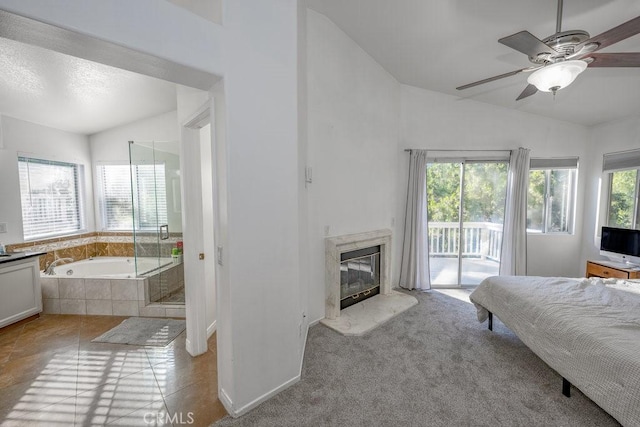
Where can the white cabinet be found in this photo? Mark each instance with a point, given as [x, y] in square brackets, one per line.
[20, 294]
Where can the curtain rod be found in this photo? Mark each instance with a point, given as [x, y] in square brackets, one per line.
[429, 149]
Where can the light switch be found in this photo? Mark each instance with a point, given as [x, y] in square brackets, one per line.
[3, 227]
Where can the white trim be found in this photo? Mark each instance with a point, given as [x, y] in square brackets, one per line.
[193, 238]
[304, 348]
[235, 413]
[201, 117]
[226, 401]
[211, 329]
[228, 404]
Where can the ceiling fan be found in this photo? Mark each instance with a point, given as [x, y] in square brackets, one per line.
[559, 58]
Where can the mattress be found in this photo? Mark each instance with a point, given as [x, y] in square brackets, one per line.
[588, 330]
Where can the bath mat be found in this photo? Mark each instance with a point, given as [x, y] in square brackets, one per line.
[143, 331]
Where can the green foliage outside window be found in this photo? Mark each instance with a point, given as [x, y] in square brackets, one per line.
[484, 185]
[443, 192]
[622, 198]
[550, 200]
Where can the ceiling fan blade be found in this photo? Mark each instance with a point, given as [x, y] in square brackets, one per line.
[491, 79]
[614, 35]
[526, 43]
[627, 59]
[528, 91]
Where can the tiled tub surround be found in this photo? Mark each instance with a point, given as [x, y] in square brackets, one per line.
[111, 297]
[88, 245]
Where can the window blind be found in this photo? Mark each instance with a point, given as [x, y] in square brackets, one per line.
[50, 197]
[150, 196]
[555, 163]
[115, 202]
[621, 160]
[145, 208]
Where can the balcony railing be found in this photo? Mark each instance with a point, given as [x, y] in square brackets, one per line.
[479, 239]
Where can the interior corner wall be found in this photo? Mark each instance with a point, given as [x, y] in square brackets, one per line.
[261, 256]
[620, 135]
[22, 137]
[112, 146]
[353, 129]
[433, 120]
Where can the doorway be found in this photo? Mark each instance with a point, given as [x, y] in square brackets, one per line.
[465, 205]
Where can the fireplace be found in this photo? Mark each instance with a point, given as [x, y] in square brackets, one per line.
[357, 267]
[358, 283]
[359, 275]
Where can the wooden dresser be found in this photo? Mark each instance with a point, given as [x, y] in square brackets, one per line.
[610, 269]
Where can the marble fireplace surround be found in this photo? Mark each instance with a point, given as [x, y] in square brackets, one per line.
[360, 318]
[335, 246]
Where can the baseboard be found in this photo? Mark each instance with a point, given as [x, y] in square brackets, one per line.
[228, 403]
[315, 322]
[235, 413]
[211, 329]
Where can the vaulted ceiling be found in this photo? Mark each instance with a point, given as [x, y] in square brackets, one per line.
[440, 45]
[435, 45]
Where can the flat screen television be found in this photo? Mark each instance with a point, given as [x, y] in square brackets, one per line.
[621, 245]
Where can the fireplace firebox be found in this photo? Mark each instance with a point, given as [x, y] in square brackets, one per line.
[359, 275]
[365, 269]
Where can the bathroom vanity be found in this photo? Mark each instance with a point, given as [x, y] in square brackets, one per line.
[20, 294]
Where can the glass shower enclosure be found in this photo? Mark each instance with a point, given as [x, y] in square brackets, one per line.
[157, 219]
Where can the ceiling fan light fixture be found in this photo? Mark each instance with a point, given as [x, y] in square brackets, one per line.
[557, 76]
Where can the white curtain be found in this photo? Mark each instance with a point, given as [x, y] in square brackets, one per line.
[414, 268]
[514, 241]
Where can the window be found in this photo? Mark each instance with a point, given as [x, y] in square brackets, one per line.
[624, 183]
[50, 197]
[149, 196]
[551, 199]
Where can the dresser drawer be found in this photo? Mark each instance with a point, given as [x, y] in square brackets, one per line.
[602, 271]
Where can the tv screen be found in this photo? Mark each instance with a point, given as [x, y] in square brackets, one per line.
[620, 240]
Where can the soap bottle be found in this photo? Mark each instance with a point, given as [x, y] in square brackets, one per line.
[2, 250]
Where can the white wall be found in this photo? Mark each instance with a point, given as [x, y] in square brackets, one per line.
[353, 130]
[610, 137]
[261, 255]
[112, 146]
[438, 121]
[209, 9]
[261, 328]
[25, 138]
[360, 122]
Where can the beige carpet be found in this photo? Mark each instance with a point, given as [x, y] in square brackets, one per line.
[433, 365]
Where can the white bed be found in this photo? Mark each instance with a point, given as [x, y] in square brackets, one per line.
[588, 330]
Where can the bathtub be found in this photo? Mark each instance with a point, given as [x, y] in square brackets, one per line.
[109, 286]
[111, 267]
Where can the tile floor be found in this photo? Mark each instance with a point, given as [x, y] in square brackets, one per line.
[52, 374]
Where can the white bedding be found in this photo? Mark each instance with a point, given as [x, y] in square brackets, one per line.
[588, 330]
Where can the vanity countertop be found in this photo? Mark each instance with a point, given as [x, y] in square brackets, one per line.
[16, 256]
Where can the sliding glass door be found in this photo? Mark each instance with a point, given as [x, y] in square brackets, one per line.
[465, 206]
